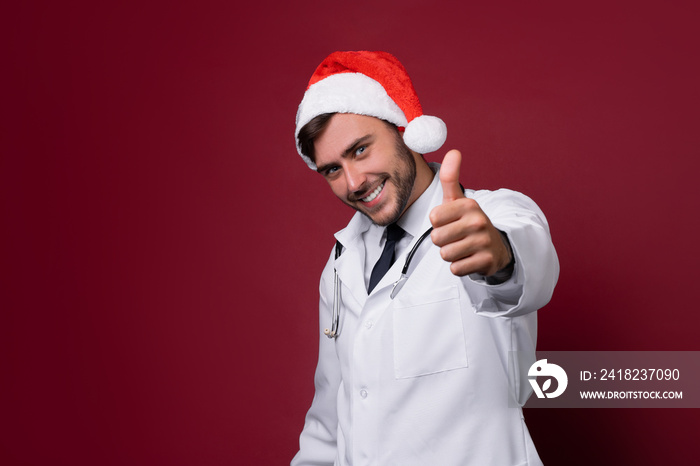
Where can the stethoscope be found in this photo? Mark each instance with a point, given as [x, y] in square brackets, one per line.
[334, 331]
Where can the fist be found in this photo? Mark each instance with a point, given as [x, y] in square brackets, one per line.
[464, 233]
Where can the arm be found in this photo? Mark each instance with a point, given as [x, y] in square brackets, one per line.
[536, 264]
[317, 443]
[469, 230]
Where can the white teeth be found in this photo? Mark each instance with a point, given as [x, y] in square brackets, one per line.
[373, 194]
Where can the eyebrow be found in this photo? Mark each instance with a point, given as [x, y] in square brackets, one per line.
[349, 150]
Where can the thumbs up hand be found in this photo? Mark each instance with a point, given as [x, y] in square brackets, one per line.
[462, 230]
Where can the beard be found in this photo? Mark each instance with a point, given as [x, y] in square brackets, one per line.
[403, 177]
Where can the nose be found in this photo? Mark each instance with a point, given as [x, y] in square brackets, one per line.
[354, 178]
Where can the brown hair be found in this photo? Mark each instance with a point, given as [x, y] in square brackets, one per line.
[310, 131]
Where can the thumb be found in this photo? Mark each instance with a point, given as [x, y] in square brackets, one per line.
[449, 176]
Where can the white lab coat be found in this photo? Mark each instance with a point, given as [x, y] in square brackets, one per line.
[424, 379]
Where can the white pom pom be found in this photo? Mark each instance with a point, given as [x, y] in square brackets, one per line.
[425, 134]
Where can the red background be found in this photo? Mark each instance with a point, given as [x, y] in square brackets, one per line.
[162, 241]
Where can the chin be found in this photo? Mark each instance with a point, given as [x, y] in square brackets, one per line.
[386, 215]
[382, 218]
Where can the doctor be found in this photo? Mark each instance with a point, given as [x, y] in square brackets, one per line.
[419, 373]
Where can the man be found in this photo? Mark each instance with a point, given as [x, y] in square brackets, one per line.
[416, 373]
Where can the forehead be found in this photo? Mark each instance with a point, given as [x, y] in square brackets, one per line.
[343, 129]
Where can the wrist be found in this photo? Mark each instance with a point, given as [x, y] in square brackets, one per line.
[506, 271]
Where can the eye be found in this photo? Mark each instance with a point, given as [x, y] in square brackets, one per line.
[360, 150]
[331, 170]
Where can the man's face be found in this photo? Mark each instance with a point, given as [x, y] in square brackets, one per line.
[367, 166]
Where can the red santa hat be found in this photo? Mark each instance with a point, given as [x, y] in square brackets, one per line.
[374, 84]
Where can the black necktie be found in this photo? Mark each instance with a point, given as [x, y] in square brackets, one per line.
[393, 234]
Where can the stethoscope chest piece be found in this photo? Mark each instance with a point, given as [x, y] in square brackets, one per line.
[398, 285]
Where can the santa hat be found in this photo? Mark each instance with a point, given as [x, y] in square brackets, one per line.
[374, 84]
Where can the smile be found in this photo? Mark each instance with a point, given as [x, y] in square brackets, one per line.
[373, 194]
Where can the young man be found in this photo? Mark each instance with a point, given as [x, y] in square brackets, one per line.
[420, 322]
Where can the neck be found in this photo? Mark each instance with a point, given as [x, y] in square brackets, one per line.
[424, 176]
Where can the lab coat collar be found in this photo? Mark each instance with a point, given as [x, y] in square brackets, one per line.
[351, 263]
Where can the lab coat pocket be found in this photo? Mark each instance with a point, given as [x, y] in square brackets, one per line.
[428, 333]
